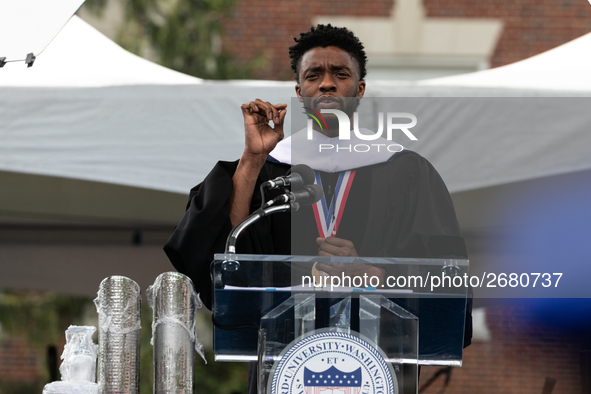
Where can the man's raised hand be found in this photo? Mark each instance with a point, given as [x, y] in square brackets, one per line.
[260, 137]
[260, 140]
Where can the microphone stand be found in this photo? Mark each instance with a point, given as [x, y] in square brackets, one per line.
[288, 200]
[234, 265]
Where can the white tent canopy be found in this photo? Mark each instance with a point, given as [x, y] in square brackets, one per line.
[80, 56]
[565, 68]
[90, 110]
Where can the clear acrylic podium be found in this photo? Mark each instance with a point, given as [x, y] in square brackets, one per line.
[264, 304]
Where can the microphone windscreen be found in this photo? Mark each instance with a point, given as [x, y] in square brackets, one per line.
[305, 172]
[316, 193]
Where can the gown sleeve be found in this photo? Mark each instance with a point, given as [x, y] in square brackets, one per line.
[412, 214]
[419, 219]
[203, 230]
[422, 204]
[429, 223]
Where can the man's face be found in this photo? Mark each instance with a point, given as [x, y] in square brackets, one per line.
[326, 77]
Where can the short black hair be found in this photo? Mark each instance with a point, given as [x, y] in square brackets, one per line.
[327, 36]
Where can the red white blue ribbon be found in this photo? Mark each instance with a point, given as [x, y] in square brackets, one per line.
[328, 218]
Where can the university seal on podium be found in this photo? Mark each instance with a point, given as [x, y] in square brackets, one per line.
[332, 362]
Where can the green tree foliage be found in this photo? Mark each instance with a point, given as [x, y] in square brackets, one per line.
[220, 377]
[184, 35]
[40, 319]
[146, 352]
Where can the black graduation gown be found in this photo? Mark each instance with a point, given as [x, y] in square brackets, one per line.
[400, 208]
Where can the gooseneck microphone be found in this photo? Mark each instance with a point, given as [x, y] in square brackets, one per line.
[296, 177]
[308, 195]
[240, 227]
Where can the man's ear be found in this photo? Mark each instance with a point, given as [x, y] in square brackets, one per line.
[360, 89]
[298, 90]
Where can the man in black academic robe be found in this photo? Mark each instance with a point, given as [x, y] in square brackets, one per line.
[397, 207]
[404, 211]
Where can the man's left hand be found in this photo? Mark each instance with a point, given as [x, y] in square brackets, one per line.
[333, 246]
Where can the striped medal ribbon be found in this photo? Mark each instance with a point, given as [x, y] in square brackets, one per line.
[329, 218]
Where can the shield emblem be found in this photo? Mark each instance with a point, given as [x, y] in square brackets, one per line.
[332, 381]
